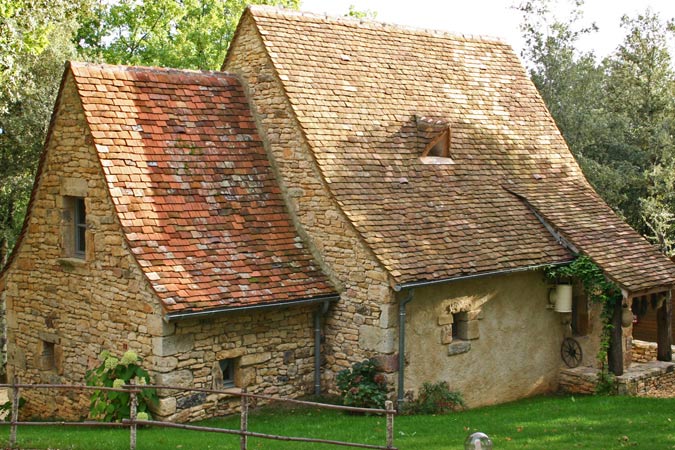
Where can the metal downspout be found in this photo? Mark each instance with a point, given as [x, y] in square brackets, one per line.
[401, 346]
[317, 346]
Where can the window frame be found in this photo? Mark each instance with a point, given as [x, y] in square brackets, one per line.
[228, 370]
[79, 227]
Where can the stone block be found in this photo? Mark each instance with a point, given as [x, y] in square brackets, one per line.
[74, 187]
[389, 316]
[171, 345]
[164, 407]
[230, 353]
[458, 347]
[164, 364]
[157, 326]
[445, 319]
[446, 334]
[377, 339]
[256, 358]
[379, 293]
[191, 400]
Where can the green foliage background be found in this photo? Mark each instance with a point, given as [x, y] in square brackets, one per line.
[37, 37]
[617, 113]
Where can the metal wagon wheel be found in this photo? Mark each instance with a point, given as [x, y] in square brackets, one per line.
[571, 353]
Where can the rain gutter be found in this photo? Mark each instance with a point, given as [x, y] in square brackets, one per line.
[172, 317]
[416, 284]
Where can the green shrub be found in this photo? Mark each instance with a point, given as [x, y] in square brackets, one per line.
[435, 398]
[362, 386]
[111, 406]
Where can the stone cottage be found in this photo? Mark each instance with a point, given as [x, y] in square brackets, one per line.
[343, 189]
[156, 225]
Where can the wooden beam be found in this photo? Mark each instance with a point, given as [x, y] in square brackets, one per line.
[664, 335]
[615, 352]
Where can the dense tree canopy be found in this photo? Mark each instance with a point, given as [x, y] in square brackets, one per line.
[38, 36]
[191, 34]
[617, 114]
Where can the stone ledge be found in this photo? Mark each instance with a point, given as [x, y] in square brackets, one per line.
[458, 347]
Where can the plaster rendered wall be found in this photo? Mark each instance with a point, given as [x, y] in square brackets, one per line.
[517, 353]
[81, 306]
[363, 323]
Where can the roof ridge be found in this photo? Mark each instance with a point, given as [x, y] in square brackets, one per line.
[272, 11]
[155, 69]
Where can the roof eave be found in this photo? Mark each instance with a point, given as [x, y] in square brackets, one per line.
[424, 283]
[224, 310]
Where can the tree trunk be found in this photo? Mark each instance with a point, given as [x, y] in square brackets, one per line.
[615, 353]
[664, 337]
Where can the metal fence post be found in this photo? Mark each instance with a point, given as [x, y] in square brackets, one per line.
[244, 419]
[389, 406]
[132, 417]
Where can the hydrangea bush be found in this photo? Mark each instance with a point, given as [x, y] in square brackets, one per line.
[111, 406]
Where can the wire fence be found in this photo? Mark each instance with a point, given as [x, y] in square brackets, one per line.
[133, 422]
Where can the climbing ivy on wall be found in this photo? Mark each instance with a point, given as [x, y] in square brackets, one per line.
[600, 291]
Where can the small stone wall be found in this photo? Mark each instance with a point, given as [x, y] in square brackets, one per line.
[644, 351]
[651, 379]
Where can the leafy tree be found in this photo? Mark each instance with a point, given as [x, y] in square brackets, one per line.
[25, 29]
[616, 115]
[24, 118]
[191, 34]
[361, 14]
[640, 98]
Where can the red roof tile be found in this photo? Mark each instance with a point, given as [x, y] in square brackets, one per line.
[193, 189]
[359, 90]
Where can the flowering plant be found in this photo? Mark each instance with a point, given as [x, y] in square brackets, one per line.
[362, 386]
[112, 406]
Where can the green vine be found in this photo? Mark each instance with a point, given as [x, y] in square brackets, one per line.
[600, 291]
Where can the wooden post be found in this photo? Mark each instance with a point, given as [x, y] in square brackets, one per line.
[389, 406]
[244, 420]
[664, 336]
[615, 352]
[132, 416]
[15, 413]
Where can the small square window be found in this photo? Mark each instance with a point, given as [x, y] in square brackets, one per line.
[227, 367]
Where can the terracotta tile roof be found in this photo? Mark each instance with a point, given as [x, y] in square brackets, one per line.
[581, 218]
[360, 89]
[193, 188]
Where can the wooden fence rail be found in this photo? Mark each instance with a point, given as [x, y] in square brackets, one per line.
[243, 431]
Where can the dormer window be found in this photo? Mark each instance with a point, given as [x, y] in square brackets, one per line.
[434, 138]
[440, 146]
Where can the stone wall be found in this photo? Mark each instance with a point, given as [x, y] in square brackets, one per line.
[363, 323]
[62, 311]
[507, 345]
[273, 349]
[651, 379]
[643, 351]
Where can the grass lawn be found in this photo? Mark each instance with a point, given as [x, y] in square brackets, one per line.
[538, 423]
